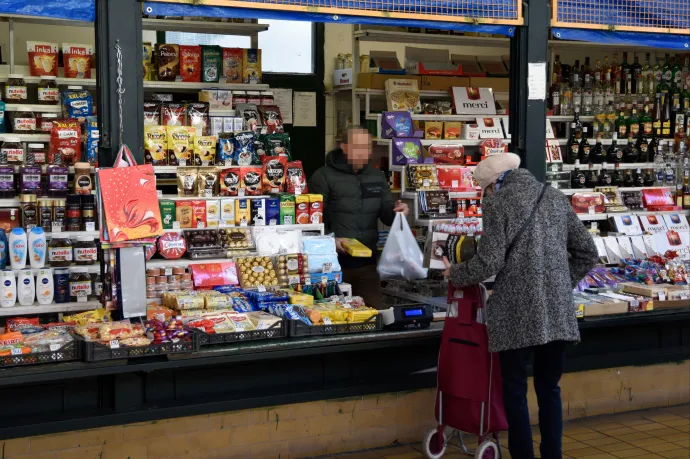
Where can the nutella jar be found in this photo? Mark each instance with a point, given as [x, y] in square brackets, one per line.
[45, 124]
[79, 285]
[254, 97]
[37, 151]
[85, 251]
[267, 98]
[239, 97]
[15, 89]
[24, 122]
[11, 151]
[60, 251]
[48, 91]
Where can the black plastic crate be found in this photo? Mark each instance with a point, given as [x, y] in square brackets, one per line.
[299, 328]
[94, 351]
[278, 330]
[69, 351]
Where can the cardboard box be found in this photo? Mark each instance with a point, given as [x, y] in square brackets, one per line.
[497, 84]
[493, 66]
[671, 304]
[473, 101]
[490, 128]
[627, 224]
[442, 83]
[677, 222]
[649, 291]
[605, 308]
[385, 62]
[469, 64]
[426, 61]
[653, 223]
[678, 292]
[342, 77]
[378, 81]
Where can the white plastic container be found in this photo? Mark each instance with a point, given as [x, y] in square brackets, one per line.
[18, 248]
[37, 247]
[8, 289]
[26, 289]
[45, 288]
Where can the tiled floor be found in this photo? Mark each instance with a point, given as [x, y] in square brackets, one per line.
[658, 433]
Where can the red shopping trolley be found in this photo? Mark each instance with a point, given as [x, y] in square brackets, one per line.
[469, 397]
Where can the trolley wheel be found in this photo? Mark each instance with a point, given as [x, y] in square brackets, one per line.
[487, 450]
[430, 444]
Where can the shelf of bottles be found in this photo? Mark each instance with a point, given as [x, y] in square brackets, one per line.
[616, 113]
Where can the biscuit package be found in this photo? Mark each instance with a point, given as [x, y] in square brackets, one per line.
[76, 60]
[155, 145]
[274, 174]
[43, 58]
[190, 63]
[76, 103]
[179, 145]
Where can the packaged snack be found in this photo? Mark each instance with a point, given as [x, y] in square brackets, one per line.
[76, 103]
[190, 63]
[251, 66]
[179, 145]
[204, 150]
[91, 140]
[11, 343]
[272, 211]
[65, 142]
[406, 151]
[149, 251]
[403, 96]
[212, 213]
[271, 119]
[277, 145]
[152, 113]
[17, 324]
[168, 60]
[87, 331]
[173, 114]
[121, 329]
[226, 148]
[197, 117]
[171, 246]
[433, 130]
[263, 320]
[274, 174]
[135, 341]
[198, 213]
[207, 181]
[450, 154]
[227, 213]
[450, 177]
[398, 124]
[422, 177]
[355, 248]
[211, 324]
[43, 58]
[302, 209]
[296, 182]
[287, 209]
[186, 181]
[243, 212]
[88, 317]
[167, 208]
[258, 212]
[235, 238]
[155, 145]
[76, 60]
[211, 63]
[229, 182]
[146, 55]
[207, 275]
[316, 208]
[232, 65]
[255, 271]
[452, 130]
[586, 202]
[183, 214]
[250, 180]
[251, 116]
[243, 149]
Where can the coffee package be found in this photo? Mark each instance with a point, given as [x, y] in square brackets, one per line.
[76, 60]
[168, 61]
[43, 58]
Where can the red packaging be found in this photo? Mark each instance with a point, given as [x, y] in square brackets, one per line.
[447, 154]
[250, 180]
[296, 181]
[659, 199]
[271, 119]
[232, 65]
[450, 177]
[583, 202]
[173, 114]
[229, 182]
[76, 59]
[274, 174]
[43, 58]
[209, 275]
[198, 213]
[149, 251]
[492, 147]
[316, 208]
[302, 210]
[190, 63]
[65, 142]
[172, 246]
[20, 323]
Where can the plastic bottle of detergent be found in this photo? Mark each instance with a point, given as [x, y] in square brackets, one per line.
[26, 290]
[18, 248]
[37, 247]
[8, 289]
[44, 286]
[3, 249]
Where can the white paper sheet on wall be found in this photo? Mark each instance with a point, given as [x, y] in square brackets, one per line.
[305, 109]
[283, 99]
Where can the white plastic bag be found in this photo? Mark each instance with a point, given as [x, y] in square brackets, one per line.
[401, 258]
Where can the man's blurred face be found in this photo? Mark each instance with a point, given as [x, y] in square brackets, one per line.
[358, 148]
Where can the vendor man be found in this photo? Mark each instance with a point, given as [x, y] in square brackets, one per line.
[355, 196]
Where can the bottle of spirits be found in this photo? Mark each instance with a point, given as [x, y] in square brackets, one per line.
[587, 90]
[577, 178]
[599, 86]
[590, 177]
[557, 67]
[660, 165]
[621, 125]
[667, 75]
[599, 118]
[656, 123]
[666, 116]
[566, 99]
[649, 177]
[618, 178]
[658, 74]
[573, 147]
[597, 155]
[606, 70]
[669, 157]
[637, 84]
[628, 178]
[652, 148]
[630, 152]
[677, 72]
[633, 123]
[648, 76]
[610, 124]
[686, 188]
[616, 75]
[642, 146]
[555, 94]
[605, 178]
[614, 154]
[639, 178]
[576, 85]
[646, 122]
[626, 76]
[584, 147]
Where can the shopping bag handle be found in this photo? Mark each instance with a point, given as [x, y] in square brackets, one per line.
[128, 159]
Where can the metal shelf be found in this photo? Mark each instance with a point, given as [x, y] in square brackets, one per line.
[596, 167]
[564, 118]
[182, 262]
[427, 142]
[83, 82]
[384, 36]
[377, 117]
[27, 137]
[451, 194]
[261, 229]
[209, 27]
[593, 217]
[174, 197]
[33, 108]
[91, 269]
[571, 191]
[45, 21]
[49, 308]
[185, 86]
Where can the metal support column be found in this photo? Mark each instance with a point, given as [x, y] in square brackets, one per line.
[118, 24]
[527, 117]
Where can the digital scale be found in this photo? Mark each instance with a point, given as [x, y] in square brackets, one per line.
[407, 316]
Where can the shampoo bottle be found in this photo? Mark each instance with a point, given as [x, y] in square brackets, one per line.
[37, 247]
[8, 289]
[26, 290]
[44, 286]
[18, 248]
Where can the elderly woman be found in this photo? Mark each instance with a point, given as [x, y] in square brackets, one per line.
[538, 250]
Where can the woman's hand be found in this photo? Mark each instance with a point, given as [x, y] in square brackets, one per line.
[401, 207]
[446, 273]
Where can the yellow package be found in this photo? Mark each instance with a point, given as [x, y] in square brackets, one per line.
[180, 148]
[356, 248]
[300, 298]
[205, 150]
[242, 212]
[89, 317]
[360, 315]
[155, 145]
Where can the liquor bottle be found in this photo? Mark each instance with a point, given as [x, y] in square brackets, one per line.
[685, 78]
[637, 83]
[666, 117]
[639, 178]
[646, 122]
[630, 152]
[626, 78]
[599, 86]
[576, 85]
[598, 72]
[679, 133]
[610, 123]
[657, 115]
[658, 74]
[642, 146]
[628, 178]
[616, 75]
[677, 72]
[648, 75]
[686, 188]
[599, 118]
[606, 70]
[649, 178]
[621, 124]
[633, 123]
[557, 67]
[590, 177]
[676, 109]
[573, 147]
[614, 154]
[587, 73]
[617, 179]
[669, 158]
[597, 155]
[566, 99]
[666, 76]
[584, 147]
[660, 165]
[605, 177]
[577, 178]
[576, 120]
[609, 89]
[554, 94]
[653, 148]
[587, 89]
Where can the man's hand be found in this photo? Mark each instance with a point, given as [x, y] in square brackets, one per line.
[401, 207]
[446, 273]
[339, 245]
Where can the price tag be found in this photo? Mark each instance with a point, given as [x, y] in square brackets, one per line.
[208, 193]
[243, 223]
[200, 225]
[16, 351]
[54, 347]
[240, 192]
[327, 321]
[287, 220]
[662, 296]
[204, 163]
[426, 183]
[327, 267]
[591, 210]
[580, 311]
[182, 162]
[90, 226]
[176, 225]
[57, 227]
[347, 306]
[272, 222]
[307, 281]
[298, 191]
[554, 168]
[454, 184]
[460, 215]
[441, 209]
[228, 163]
[168, 271]
[261, 288]
[114, 344]
[554, 185]
[239, 327]
[595, 225]
[159, 193]
[81, 299]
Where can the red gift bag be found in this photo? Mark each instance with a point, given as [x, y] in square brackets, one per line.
[129, 200]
